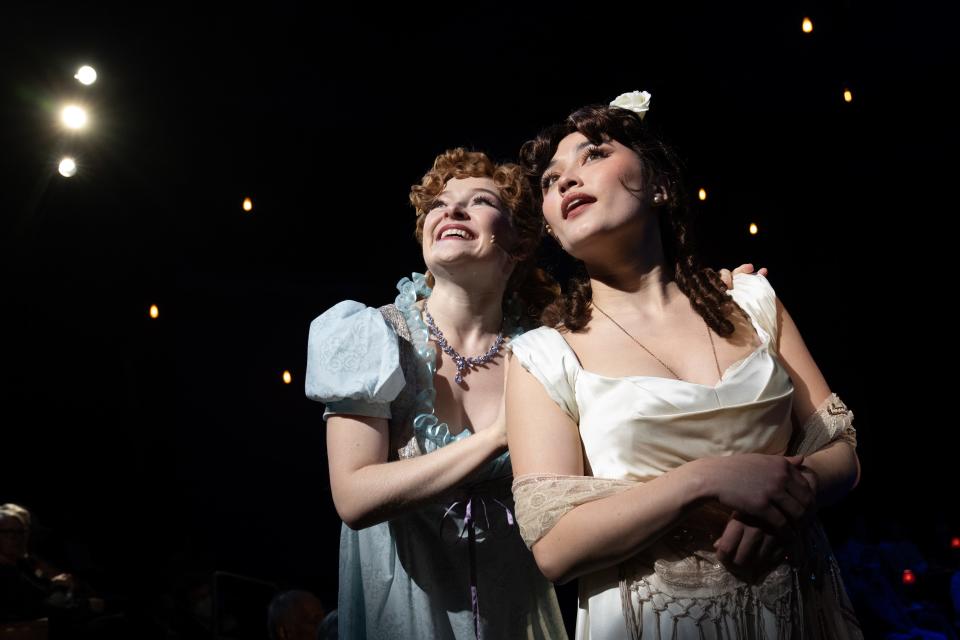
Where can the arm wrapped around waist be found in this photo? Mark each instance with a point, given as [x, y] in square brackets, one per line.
[830, 422]
[541, 499]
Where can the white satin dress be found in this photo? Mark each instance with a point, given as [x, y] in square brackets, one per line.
[639, 427]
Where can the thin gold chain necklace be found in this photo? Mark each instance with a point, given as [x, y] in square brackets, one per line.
[709, 335]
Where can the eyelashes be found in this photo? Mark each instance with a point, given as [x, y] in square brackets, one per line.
[486, 199]
[477, 198]
[590, 152]
[546, 181]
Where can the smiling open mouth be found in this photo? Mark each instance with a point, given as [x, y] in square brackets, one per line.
[456, 234]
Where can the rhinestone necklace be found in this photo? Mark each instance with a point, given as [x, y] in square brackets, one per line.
[462, 362]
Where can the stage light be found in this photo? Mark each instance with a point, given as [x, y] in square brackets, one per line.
[908, 577]
[703, 194]
[154, 311]
[955, 543]
[86, 75]
[74, 117]
[287, 378]
[67, 168]
[753, 228]
[247, 204]
[847, 95]
[807, 25]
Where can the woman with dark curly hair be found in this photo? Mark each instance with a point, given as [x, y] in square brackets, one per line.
[650, 425]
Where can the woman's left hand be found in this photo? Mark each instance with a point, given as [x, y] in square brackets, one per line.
[727, 276]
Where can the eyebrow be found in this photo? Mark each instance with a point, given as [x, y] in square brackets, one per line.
[577, 150]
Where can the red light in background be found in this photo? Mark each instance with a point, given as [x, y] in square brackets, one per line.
[955, 543]
[908, 577]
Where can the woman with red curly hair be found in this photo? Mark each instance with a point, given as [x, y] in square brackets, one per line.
[415, 429]
[652, 422]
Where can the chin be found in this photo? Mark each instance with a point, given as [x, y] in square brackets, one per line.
[453, 255]
[588, 246]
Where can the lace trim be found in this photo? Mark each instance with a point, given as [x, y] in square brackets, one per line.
[428, 428]
[832, 420]
[540, 500]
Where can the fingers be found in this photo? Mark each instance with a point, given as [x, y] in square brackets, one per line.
[794, 496]
[763, 271]
[812, 480]
[802, 485]
[771, 551]
[726, 545]
[803, 493]
[750, 542]
[727, 277]
[789, 506]
[744, 268]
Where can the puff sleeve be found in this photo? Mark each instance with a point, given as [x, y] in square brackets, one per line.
[353, 361]
[545, 354]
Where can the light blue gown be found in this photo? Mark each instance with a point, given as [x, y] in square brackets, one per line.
[455, 569]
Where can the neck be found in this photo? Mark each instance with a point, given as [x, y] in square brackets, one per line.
[469, 315]
[638, 281]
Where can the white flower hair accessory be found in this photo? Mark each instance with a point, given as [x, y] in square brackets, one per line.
[636, 101]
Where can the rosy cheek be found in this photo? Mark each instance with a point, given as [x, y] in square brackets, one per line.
[551, 207]
[432, 220]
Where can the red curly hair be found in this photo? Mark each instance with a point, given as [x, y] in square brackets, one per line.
[529, 285]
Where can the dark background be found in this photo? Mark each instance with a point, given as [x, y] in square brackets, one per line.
[150, 449]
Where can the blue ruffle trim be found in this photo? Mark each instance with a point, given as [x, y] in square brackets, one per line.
[431, 433]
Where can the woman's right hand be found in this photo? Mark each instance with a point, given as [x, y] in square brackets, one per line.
[770, 488]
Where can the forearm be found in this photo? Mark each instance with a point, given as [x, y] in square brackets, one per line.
[605, 532]
[378, 492]
[837, 471]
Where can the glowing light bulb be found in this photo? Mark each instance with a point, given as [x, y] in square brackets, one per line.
[68, 167]
[247, 204]
[807, 25]
[847, 95]
[154, 311]
[955, 543]
[703, 194]
[753, 228]
[86, 75]
[287, 378]
[73, 116]
[909, 577]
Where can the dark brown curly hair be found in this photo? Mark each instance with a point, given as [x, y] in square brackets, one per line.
[529, 288]
[662, 168]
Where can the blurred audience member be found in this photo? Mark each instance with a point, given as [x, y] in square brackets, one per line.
[298, 615]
